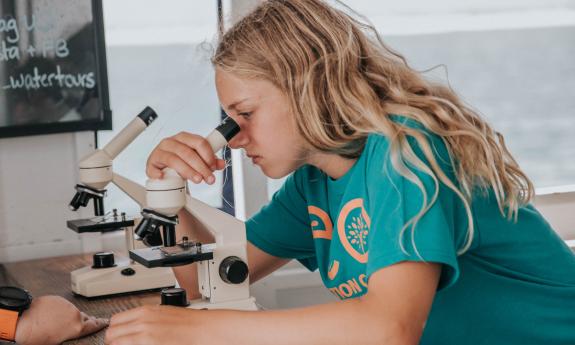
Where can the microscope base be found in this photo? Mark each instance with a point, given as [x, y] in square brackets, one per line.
[125, 277]
[243, 304]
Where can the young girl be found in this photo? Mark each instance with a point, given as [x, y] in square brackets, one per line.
[405, 200]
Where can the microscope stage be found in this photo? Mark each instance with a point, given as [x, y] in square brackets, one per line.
[171, 256]
[99, 224]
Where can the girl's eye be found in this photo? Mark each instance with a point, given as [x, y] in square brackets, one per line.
[245, 114]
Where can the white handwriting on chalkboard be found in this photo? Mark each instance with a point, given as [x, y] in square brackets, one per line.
[36, 80]
[58, 47]
[9, 53]
[10, 27]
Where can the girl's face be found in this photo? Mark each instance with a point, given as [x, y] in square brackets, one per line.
[267, 133]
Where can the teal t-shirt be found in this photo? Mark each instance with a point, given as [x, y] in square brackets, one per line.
[514, 285]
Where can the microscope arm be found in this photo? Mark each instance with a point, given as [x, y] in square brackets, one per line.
[218, 286]
[132, 189]
[226, 229]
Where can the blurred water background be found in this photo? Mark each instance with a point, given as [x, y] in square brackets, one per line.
[513, 61]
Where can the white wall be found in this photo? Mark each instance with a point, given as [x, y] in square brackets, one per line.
[36, 184]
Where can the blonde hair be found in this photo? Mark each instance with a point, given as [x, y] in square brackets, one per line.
[344, 83]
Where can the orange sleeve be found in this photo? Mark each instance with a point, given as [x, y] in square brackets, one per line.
[8, 321]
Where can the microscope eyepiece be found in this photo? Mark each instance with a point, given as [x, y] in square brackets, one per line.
[148, 115]
[228, 128]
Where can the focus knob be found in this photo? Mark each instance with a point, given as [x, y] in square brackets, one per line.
[175, 296]
[233, 270]
[103, 260]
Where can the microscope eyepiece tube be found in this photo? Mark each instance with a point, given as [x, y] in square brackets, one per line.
[220, 136]
[130, 132]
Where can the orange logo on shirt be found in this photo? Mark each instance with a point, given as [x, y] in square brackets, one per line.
[333, 269]
[353, 228]
[321, 225]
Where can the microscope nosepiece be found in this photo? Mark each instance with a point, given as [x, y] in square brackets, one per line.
[80, 199]
[153, 239]
[83, 196]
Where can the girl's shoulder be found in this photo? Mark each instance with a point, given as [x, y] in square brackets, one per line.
[380, 150]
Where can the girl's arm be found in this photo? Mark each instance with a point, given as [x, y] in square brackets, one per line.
[394, 311]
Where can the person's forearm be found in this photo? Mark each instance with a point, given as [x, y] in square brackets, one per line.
[345, 322]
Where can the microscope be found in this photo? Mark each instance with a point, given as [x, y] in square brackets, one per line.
[108, 276]
[223, 277]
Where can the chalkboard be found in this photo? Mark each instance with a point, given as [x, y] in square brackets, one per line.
[53, 75]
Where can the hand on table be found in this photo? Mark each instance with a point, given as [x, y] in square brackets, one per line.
[51, 320]
[154, 324]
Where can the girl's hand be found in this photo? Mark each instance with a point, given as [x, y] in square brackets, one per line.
[51, 320]
[154, 324]
[190, 155]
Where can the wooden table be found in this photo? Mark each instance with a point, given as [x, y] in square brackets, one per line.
[51, 276]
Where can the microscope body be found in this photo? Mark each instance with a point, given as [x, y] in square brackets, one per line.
[223, 277]
[111, 276]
